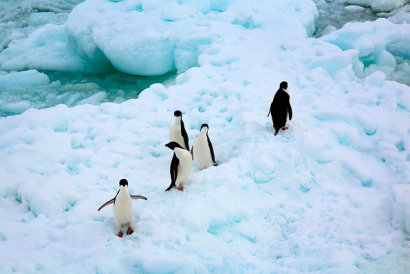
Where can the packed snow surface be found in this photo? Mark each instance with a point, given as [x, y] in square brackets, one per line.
[328, 195]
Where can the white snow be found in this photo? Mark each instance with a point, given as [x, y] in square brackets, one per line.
[329, 195]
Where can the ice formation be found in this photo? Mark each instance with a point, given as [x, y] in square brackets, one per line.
[329, 195]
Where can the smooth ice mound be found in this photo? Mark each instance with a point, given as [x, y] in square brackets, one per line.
[155, 37]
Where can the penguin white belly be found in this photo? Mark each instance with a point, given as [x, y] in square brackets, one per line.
[202, 153]
[184, 167]
[123, 211]
[175, 135]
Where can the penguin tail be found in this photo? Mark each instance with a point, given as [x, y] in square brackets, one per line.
[276, 131]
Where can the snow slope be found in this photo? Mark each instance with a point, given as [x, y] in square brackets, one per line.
[330, 195]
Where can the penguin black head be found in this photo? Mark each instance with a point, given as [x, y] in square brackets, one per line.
[123, 182]
[173, 145]
[205, 125]
[284, 85]
[177, 113]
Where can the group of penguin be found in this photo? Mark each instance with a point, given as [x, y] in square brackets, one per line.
[201, 152]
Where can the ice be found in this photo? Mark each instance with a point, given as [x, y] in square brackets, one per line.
[354, 8]
[402, 24]
[14, 107]
[44, 18]
[335, 14]
[133, 46]
[328, 195]
[19, 18]
[24, 78]
[381, 46]
[45, 49]
[370, 38]
[69, 89]
[380, 5]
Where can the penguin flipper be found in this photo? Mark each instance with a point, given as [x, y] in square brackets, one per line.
[107, 203]
[184, 135]
[138, 197]
[173, 171]
[174, 168]
[211, 149]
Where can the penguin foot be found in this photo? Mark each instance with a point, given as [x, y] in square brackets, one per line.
[130, 231]
[285, 128]
[120, 234]
[181, 188]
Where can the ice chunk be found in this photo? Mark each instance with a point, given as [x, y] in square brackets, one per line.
[43, 18]
[23, 78]
[401, 48]
[354, 8]
[370, 38]
[335, 62]
[379, 5]
[46, 49]
[162, 36]
[95, 99]
[136, 39]
[15, 107]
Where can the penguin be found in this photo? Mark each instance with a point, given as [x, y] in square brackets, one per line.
[280, 108]
[203, 154]
[177, 132]
[181, 165]
[122, 208]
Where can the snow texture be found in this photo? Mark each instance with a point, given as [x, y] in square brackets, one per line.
[328, 195]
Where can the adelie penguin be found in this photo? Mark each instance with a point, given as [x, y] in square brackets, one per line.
[181, 165]
[280, 108]
[123, 211]
[202, 150]
[177, 132]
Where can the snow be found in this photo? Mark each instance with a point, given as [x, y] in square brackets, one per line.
[400, 207]
[329, 195]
